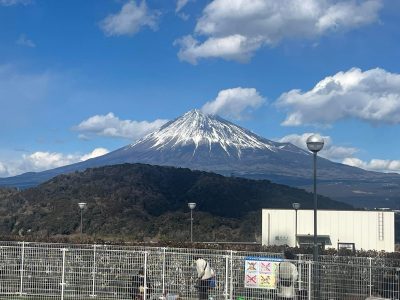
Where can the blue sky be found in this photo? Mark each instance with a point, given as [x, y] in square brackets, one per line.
[80, 78]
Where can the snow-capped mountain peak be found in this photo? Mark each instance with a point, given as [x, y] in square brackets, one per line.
[199, 129]
[209, 143]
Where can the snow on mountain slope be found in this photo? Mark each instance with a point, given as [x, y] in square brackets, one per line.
[197, 129]
[210, 143]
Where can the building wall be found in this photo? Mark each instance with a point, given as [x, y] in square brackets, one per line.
[369, 230]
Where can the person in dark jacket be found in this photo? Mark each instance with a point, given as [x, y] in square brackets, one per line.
[204, 275]
[139, 285]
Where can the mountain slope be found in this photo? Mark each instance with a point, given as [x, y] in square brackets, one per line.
[149, 201]
[210, 143]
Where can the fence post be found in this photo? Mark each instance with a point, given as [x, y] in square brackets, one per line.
[309, 280]
[94, 272]
[231, 279]
[300, 270]
[145, 276]
[63, 274]
[226, 276]
[370, 276]
[22, 267]
[163, 273]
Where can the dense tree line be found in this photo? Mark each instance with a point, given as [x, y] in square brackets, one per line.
[142, 202]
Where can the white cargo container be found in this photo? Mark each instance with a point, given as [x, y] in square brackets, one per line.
[368, 230]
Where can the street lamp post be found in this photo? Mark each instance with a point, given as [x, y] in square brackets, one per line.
[315, 143]
[296, 207]
[192, 206]
[82, 206]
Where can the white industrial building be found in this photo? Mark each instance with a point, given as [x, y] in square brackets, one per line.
[368, 230]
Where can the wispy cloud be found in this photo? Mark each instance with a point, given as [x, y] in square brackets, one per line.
[3, 170]
[95, 153]
[372, 96]
[330, 150]
[235, 29]
[111, 126]
[83, 137]
[23, 40]
[14, 2]
[343, 154]
[233, 47]
[234, 103]
[180, 4]
[379, 165]
[130, 19]
[44, 160]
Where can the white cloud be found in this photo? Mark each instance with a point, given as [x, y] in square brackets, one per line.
[23, 40]
[180, 4]
[372, 96]
[330, 151]
[379, 165]
[83, 137]
[14, 2]
[3, 170]
[95, 153]
[111, 126]
[343, 154]
[233, 47]
[130, 19]
[184, 17]
[39, 161]
[244, 26]
[44, 160]
[234, 103]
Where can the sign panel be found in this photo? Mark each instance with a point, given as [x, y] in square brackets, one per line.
[260, 272]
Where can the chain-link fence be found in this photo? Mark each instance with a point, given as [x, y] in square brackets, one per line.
[61, 271]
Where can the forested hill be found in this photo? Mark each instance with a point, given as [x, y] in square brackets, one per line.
[137, 201]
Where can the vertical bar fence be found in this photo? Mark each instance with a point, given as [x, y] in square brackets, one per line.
[60, 271]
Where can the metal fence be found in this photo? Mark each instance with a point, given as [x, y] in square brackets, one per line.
[61, 271]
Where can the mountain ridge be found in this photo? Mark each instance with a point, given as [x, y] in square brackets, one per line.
[144, 201]
[210, 143]
[209, 128]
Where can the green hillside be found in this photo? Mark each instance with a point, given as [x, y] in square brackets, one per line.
[136, 202]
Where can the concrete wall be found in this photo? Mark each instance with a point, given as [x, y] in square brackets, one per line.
[369, 230]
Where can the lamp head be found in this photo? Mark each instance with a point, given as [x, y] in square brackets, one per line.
[315, 143]
[82, 205]
[296, 205]
[192, 205]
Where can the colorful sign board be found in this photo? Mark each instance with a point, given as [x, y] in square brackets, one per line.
[260, 272]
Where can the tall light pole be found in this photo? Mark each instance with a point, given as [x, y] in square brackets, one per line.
[82, 206]
[315, 143]
[296, 207]
[192, 206]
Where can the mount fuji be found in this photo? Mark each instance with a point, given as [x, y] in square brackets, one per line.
[210, 143]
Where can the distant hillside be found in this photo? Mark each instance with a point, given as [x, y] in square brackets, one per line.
[137, 201]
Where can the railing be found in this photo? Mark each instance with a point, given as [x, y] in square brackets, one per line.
[61, 271]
